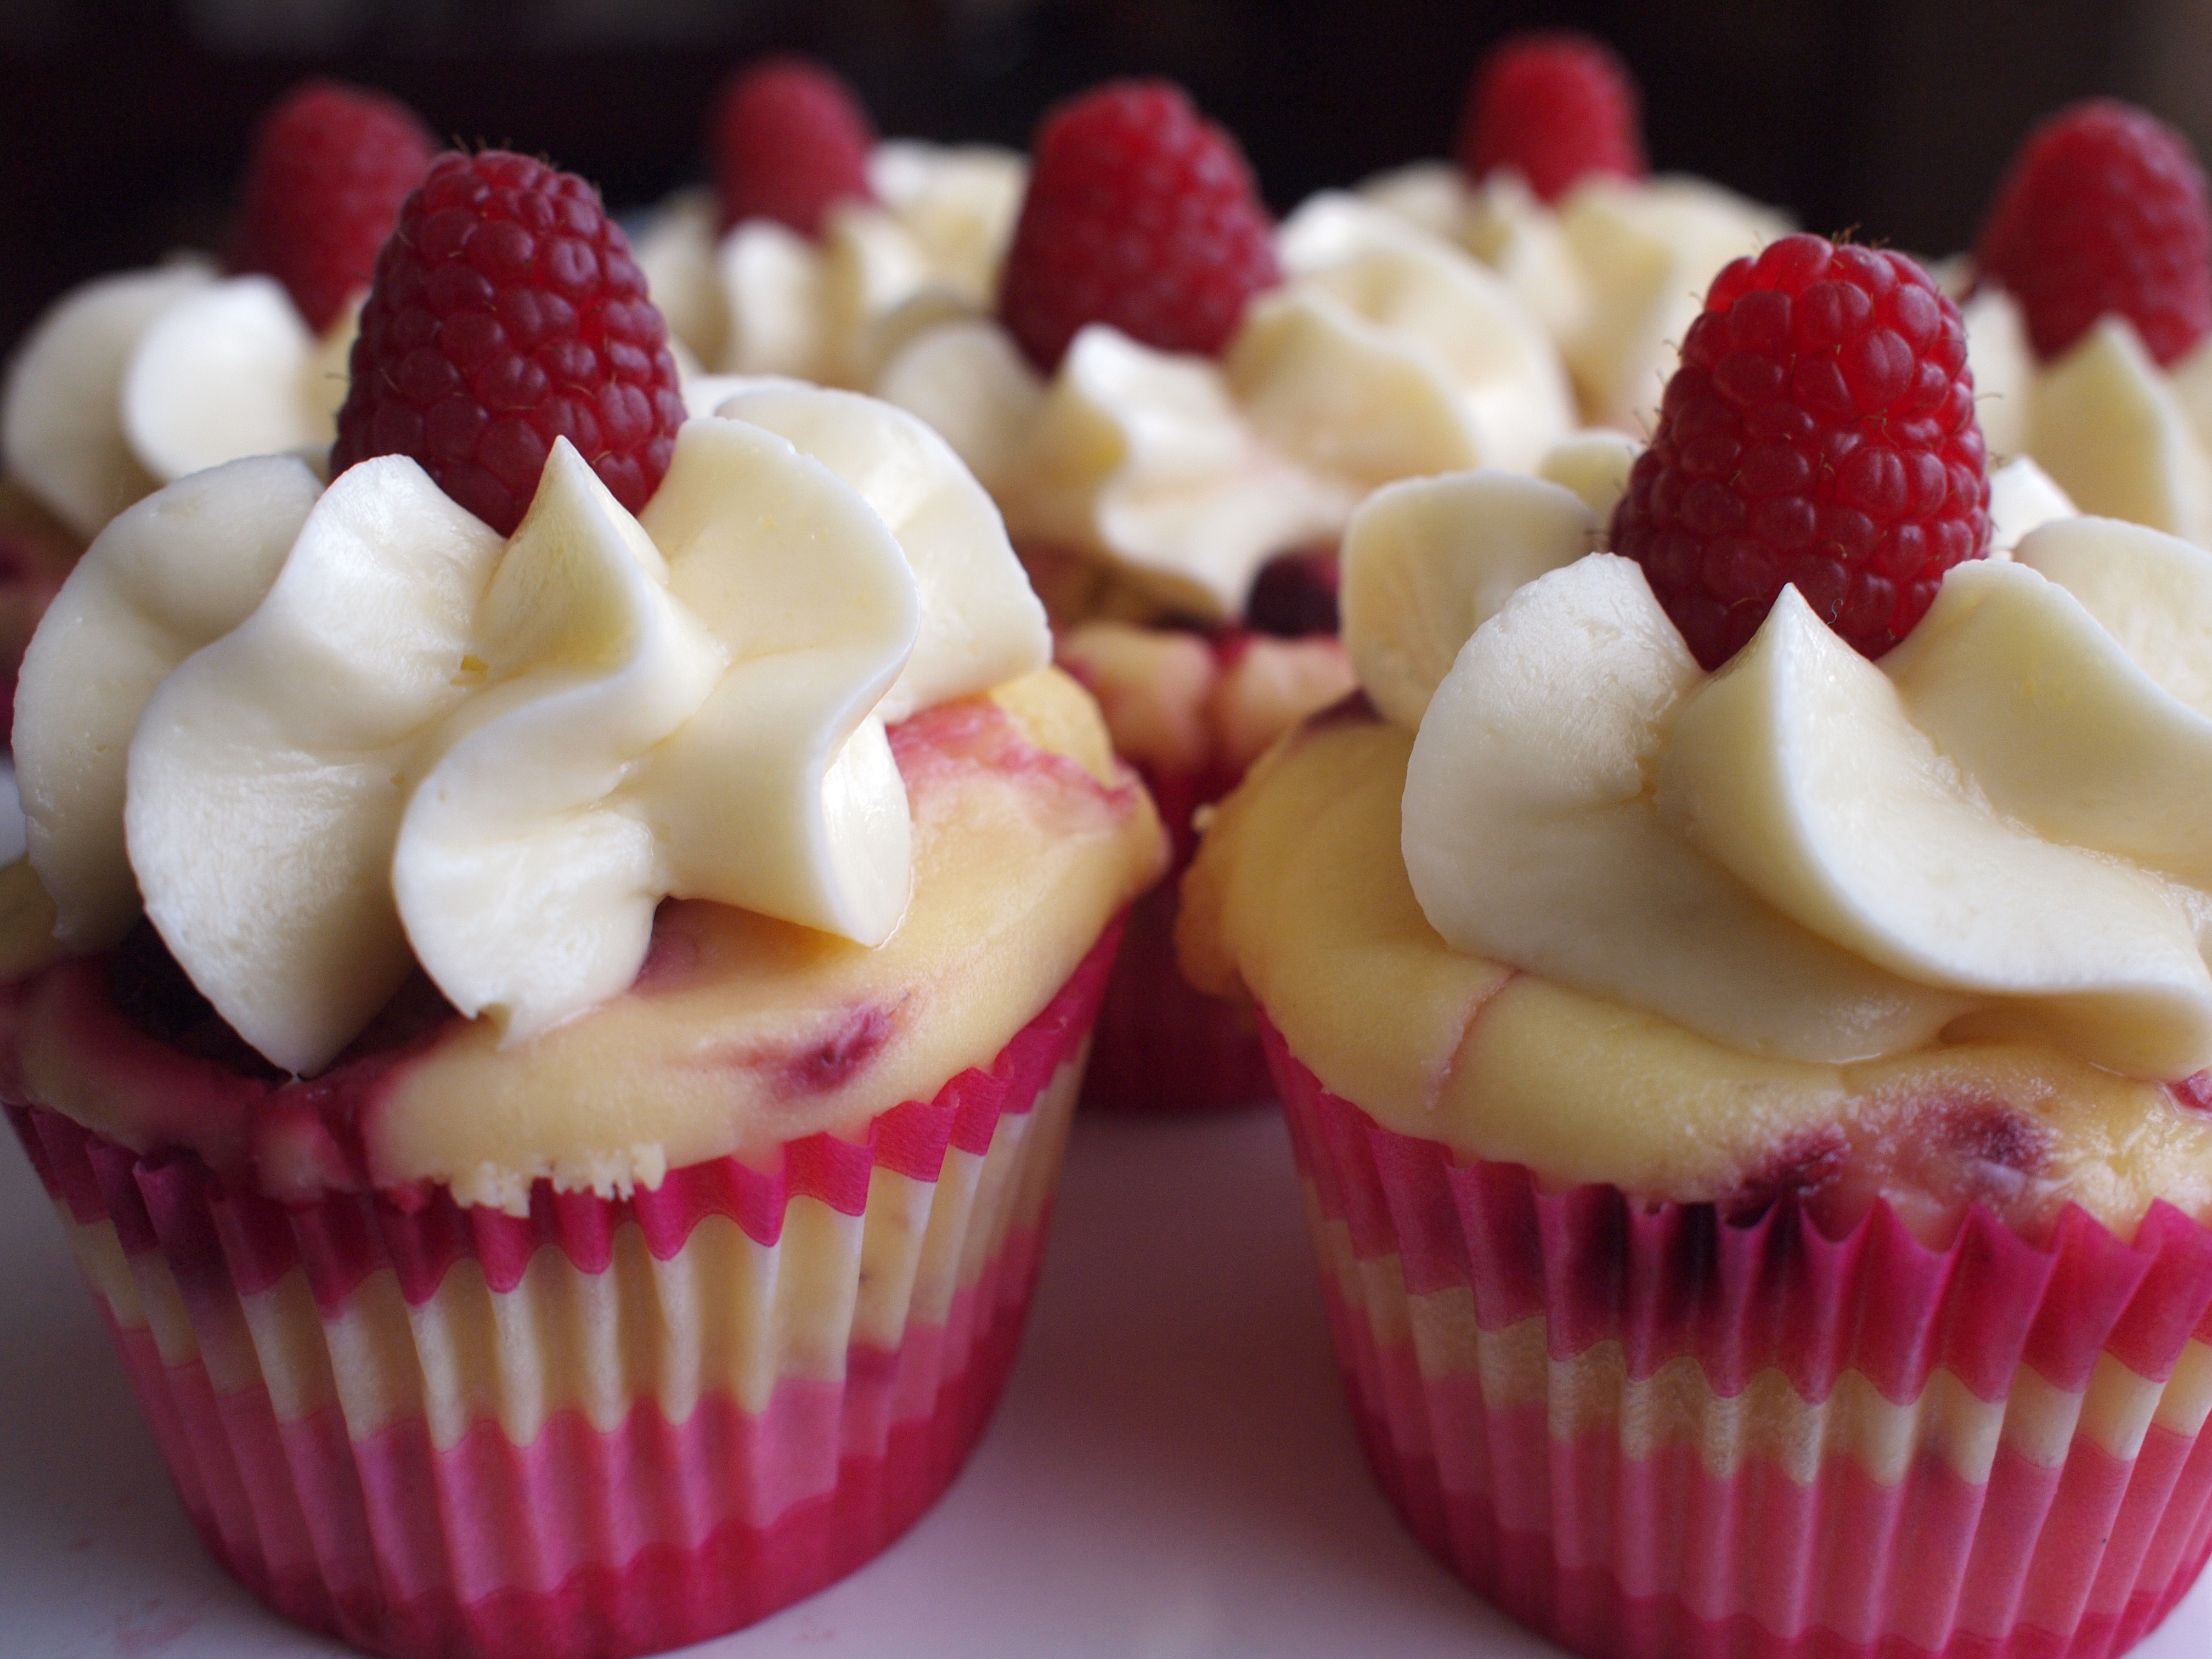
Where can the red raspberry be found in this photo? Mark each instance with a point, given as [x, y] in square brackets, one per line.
[1142, 213]
[1294, 594]
[507, 312]
[789, 139]
[331, 165]
[2104, 210]
[1553, 106]
[1821, 431]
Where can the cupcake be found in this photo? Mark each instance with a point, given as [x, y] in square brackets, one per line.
[1742, 1019]
[1177, 405]
[818, 248]
[552, 973]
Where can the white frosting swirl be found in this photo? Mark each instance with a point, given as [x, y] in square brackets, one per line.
[762, 299]
[135, 381]
[1997, 828]
[401, 738]
[1617, 271]
[2123, 437]
[1387, 354]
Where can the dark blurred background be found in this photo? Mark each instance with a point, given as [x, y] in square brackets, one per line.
[122, 122]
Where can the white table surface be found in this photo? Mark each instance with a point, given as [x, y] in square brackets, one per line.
[1171, 1476]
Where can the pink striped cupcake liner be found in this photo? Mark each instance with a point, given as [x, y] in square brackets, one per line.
[1651, 1432]
[608, 1427]
[1164, 1048]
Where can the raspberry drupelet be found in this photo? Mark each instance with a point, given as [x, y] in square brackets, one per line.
[1820, 432]
[2104, 211]
[1141, 214]
[507, 313]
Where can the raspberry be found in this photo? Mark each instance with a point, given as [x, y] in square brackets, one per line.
[1141, 214]
[507, 312]
[2104, 210]
[1821, 431]
[1294, 594]
[1553, 106]
[789, 139]
[331, 165]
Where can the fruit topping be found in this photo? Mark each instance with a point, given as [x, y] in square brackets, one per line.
[2104, 210]
[507, 313]
[1294, 594]
[1142, 213]
[789, 139]
[330, 168]
[1819, 432]
[1553, 106]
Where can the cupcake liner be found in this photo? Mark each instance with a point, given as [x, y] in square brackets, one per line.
[608, 1427]
[1163, 1046]
[1649, 1432]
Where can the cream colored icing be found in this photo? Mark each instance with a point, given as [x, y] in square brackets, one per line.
[761, 299]
[135, 381]
[2121, 436]
[1876, 850]
[1617, 270]
[421, 744]
[1387, 354]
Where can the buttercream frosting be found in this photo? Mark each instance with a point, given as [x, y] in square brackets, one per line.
[387, 737]
[762, 299]
[1853, 855]
[1387, 353]
[1616, 272]
[135, 381]
[2123, 437]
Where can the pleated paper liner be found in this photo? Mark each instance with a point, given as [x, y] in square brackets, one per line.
[607, 1428]
[1164, 1048]
[1652, 1432]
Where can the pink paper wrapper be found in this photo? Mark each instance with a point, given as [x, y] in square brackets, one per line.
[1650, 1432]
[607, 1428]
[1164, 1046]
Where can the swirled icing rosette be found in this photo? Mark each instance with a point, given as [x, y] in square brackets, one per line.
[388, 736]
[1857, 855]
[762, 298]
[1615, 271]
[1387, 353]
[133, 381]
[2123, 437]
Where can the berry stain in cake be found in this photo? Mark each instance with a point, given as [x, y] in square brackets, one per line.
[1800, 1170]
